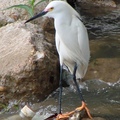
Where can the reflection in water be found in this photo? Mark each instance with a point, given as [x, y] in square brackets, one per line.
[102, 98]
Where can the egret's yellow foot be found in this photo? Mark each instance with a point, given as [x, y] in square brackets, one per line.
[86, 109]
[64, 116]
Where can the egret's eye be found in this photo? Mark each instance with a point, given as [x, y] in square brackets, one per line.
[51, 8]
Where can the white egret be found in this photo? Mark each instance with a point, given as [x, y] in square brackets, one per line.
[72, 45]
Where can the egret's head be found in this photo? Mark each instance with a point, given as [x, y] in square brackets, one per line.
[52, 10]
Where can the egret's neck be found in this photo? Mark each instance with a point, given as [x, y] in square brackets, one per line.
[62, 20]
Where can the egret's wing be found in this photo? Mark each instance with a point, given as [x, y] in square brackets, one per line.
[83, 46]
[83, 41]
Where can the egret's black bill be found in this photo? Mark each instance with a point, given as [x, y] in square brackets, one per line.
[36, 16]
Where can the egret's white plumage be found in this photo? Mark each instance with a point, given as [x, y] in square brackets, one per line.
[71, 37]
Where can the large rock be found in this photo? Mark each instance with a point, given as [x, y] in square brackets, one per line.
[29, 66]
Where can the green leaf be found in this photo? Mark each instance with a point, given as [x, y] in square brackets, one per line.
[26, 7]
[39, 2]
[31, 2]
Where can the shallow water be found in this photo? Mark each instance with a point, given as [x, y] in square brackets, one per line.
[102, 98]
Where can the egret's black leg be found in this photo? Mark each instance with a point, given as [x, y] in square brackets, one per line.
[80, 94]
[78, 88]
[60, 89]
[67, 115]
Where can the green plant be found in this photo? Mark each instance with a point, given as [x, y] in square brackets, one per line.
[29, 8]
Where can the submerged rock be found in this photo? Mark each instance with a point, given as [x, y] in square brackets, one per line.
[29, 66]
